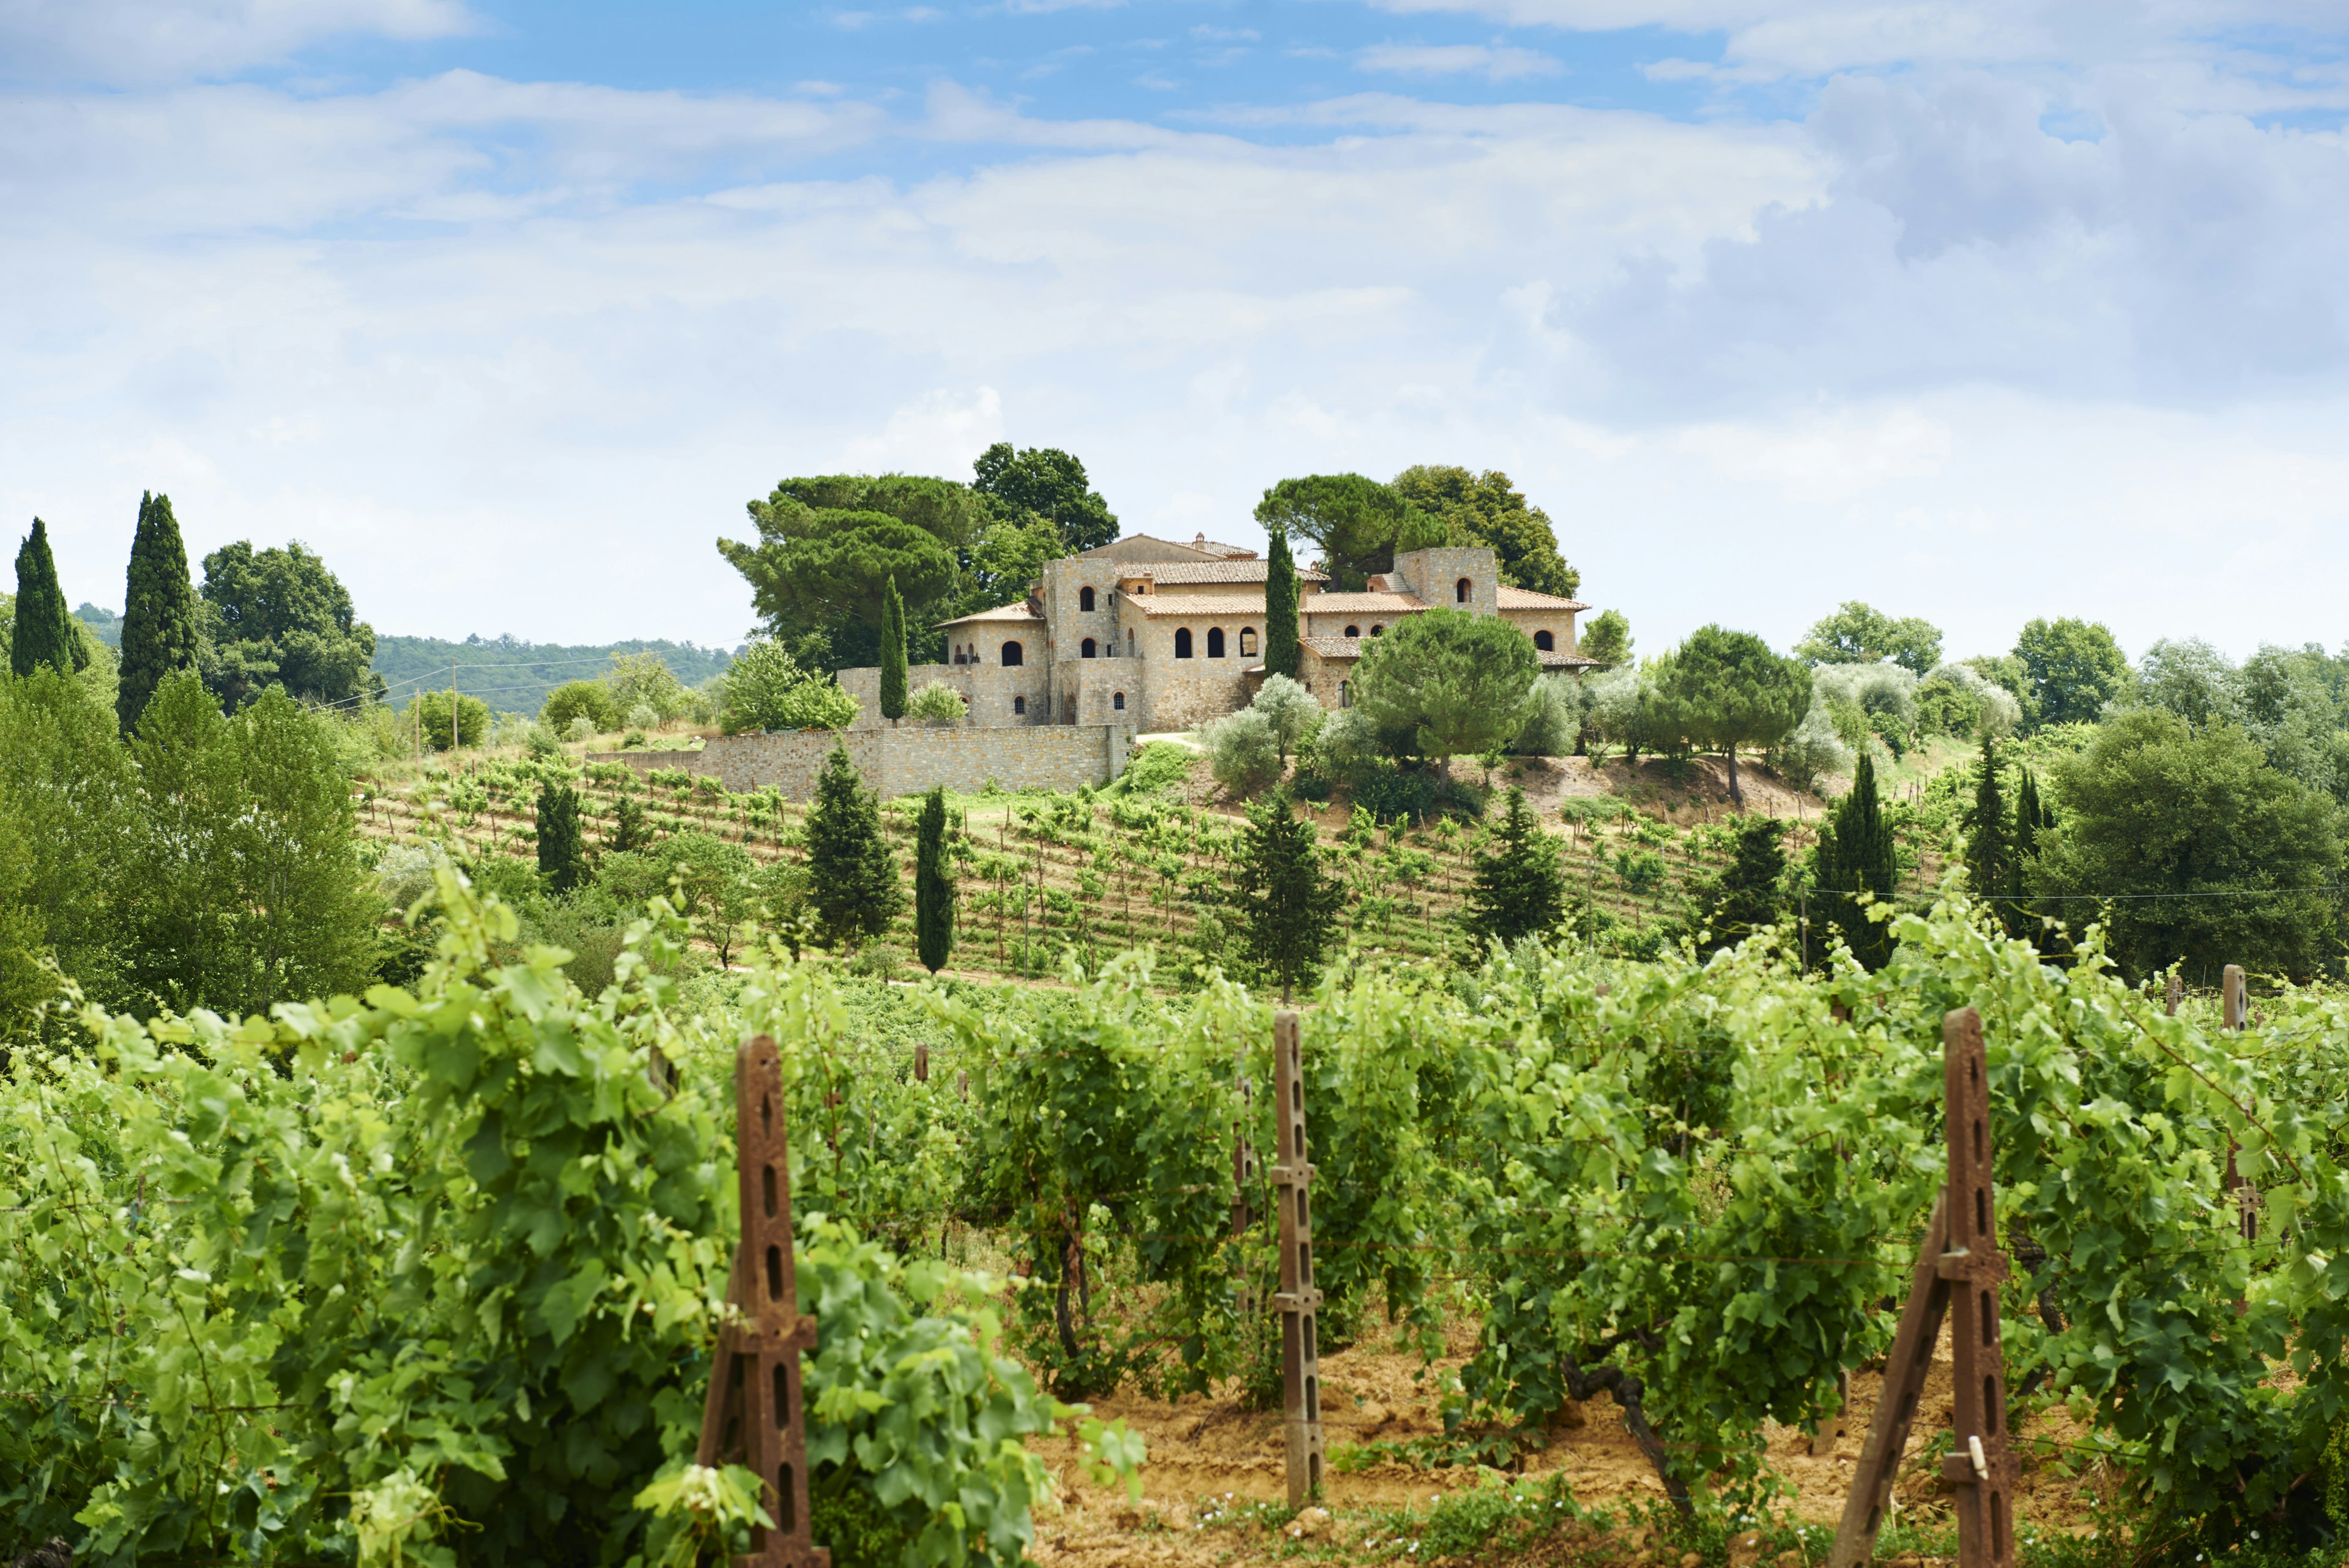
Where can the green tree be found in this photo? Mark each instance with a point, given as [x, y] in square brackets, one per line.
[432, 709]
[1751, 892]
[2032, 819]
[767, 689]
[43, 633]
[1857, 859]
[892, 653]
[64, 784]
[1487, 509]
[712, 883]
[1359, 522]
[1859, 634]
[630, 831]
[562, 848]
[853, 880]
[1519, 889]
[244, 882]
[279, 618]
[1993, 869]
[2073, 669]
[1286, 906]
[829, 546]
[2206, 854]
[588, 699]
[933, 888]
[1051, 485]
[1282, 654]
[1462, 684]
[161, 618]
[1608, 640]
[1727, 690]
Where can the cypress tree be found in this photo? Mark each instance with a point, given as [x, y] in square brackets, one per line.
[562, 850]
[1280, 656]
[852, 876]
[1751, 892]
[159, 616]
[892, 653]
[629, 830]
[1857, 856]
[2031, 819]
[1990, 858]
[44, 631]
[1287, 909]
[933, 891]
[1519, 889]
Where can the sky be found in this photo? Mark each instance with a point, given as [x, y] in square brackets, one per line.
[1979, 312]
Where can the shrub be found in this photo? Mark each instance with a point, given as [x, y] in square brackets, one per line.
[1291, 711]
[1556, 721]
[1243, 751]
[643, 679]
[542, 743]
[581, 728]
[1154, 767]
[577, 699]
[936, 703]
[473, 718]
[766, 689]
[643, 716]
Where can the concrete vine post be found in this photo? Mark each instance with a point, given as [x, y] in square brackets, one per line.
[1298, 1301]
[753, 1416]
[2236, 1012]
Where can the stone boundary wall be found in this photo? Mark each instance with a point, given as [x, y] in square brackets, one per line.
[907, 761]
[988, 687]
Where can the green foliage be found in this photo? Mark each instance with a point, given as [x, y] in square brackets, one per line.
[162, 628]
[853, 885]
[522, 676]
[1358, 524]
[1855, 861]
[65, 807]
[430, 710]
[1282, 654]
[933, 888]
[1606, 638]
[1626, 707]
[43, 633]
[1459, 683]
[1243, 752]
[766, 689]
[2072, 668]
[829, 546]
[1519, 889]
[2206, 854]
[893, 652]
[644, 681]
[1487, 509]
[1858, 633]
[279, 618]
[1727, 690]
[1994, 868]
[1152, 767]
[1287, 905]
[1553, 726]
[936, 703]
[588, 699]
[1290, 711]
[1750, 894]
[630, 831]
[562, 848]
[1047, 483]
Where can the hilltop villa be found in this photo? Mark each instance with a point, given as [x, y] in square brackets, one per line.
[1147, 635]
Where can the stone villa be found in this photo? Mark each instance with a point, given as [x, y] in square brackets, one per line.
[1147, 635]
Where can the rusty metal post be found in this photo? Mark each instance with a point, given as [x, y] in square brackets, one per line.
[921, 1064]
[1298, 1301]
[1959, 1267]
[753, 1415]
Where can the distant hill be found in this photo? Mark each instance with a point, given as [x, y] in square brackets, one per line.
[105, 622]
[514, 676]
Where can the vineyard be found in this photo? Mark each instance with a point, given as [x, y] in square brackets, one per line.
[435, 1275]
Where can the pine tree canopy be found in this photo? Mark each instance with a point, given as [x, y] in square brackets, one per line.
[1727, 690]
[1487, 509]
[161, 617]
[1519, 890]
[1359, 522]
[1462, 683]
[1048, 483]
[852, 877]
[44, 631]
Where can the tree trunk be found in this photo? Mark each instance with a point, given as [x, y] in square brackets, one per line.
[1734, 793]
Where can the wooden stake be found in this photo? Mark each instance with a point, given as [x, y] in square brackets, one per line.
[753, 1415]
[921, 1064]
[1298, 1301]
[2172, 994]
[2235, 1011]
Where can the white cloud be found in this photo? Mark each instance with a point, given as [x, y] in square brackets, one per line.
[169, 40]
[1496, 62]
[1825, 457]
[940, 432]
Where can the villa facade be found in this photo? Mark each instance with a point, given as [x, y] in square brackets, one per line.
[1150, 635]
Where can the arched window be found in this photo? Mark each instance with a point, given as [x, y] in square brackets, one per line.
[1182, 642]
[1086, 648]
[1353, 631]
[1085, 601]
[1129, 642]
[1011, 654]
[1375, 630]
[1460, 592]
[1020, 704]
[1248, 642]
[1214, 642]
[1544, 641]
[1117, 700]
[1345, 693]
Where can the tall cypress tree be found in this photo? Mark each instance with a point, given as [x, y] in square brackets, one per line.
[893, 652]
[1751, 891]
[852, 876]
[1280, 656]
[933, 891]
[562, 848]
[1519, 889]
[160, 628]
[1287, 907]
[1857, 855]
[2031, 819]
[1991, 840]
[44, 631]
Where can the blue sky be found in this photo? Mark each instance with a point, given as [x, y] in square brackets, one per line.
[1978, 313]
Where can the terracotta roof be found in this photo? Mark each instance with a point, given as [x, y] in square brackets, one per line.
[1335, 646]
[1236, 571]
[1001, 612]
[1156, 605]
[1207, 546]
[1525, 599]
[1122, 549]
[1358, 604]
[1566, 660]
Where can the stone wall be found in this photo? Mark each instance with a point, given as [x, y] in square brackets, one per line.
[909, 761]
[998, 696]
